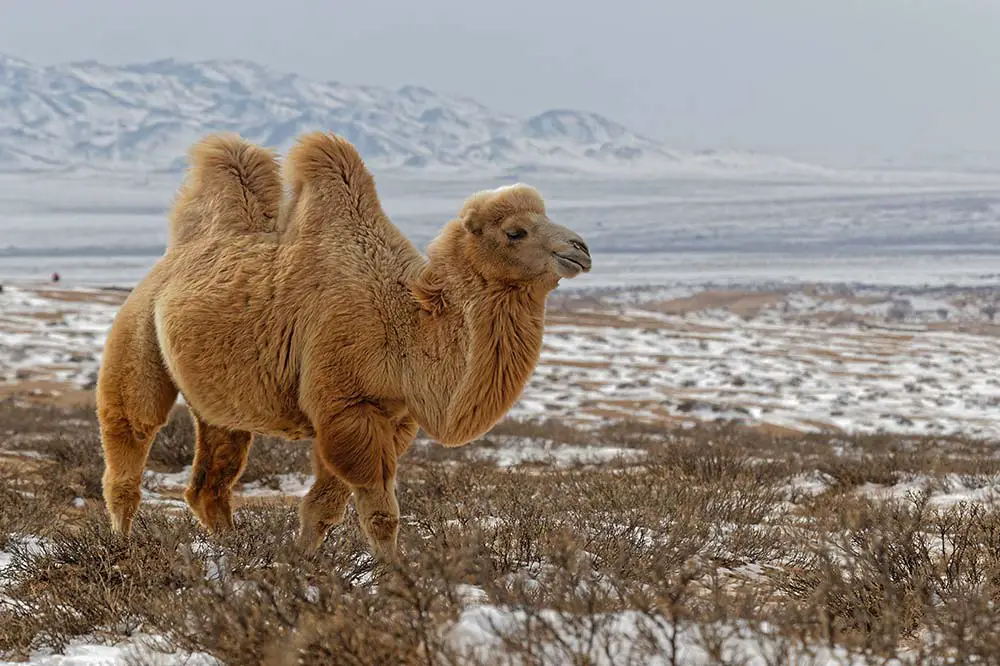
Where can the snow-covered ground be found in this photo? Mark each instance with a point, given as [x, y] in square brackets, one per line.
[790, 363]
[864, 359]
[147, 650]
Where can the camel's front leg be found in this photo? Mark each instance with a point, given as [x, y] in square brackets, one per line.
[358, 445]
[378, 509]
[323, 507]
[378, 513]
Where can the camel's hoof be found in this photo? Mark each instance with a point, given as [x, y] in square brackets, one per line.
[386, 553]
[121, 526]
[309, 542]
[216, 517]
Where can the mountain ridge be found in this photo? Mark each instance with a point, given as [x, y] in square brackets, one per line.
[144, 116]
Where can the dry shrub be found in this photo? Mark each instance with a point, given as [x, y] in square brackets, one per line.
[695, 544]
[849, 473]
[76, 462]
[86, 578]
[28, 504]
[19, 418]
[547, 429]
[881, 574]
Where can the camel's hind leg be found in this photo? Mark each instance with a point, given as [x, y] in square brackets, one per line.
[134, 396]
[323, 507]
[219, 459]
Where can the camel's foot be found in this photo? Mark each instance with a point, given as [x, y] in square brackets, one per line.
[312, 534]
[213, 512]
[382, 530]
[121, 497]
[322, 508]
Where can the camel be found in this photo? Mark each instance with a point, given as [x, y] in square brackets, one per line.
[287, 303]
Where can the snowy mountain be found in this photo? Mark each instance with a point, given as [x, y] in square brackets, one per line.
[87, 115]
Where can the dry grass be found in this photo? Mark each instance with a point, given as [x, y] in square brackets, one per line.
[707, 542]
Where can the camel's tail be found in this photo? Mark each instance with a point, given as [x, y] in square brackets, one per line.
[232, 187]
[329, 170]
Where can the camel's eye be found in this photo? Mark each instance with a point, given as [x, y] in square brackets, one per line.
[516, 234]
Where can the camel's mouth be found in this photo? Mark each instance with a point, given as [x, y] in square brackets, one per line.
[571, 266]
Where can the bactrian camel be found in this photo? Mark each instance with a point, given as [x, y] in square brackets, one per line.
[298, 309]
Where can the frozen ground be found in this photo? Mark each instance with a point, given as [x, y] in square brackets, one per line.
[806, 358]
[854, 359]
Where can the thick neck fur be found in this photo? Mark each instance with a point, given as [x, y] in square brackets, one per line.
[475, 346]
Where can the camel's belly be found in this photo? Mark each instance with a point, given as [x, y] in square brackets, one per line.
[218, 366]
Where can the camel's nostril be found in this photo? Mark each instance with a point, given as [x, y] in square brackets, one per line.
[581, 246]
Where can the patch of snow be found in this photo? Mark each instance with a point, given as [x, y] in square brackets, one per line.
[289, 485]
[621, 638]
[514, 451]
[943, 493]
[149, 650]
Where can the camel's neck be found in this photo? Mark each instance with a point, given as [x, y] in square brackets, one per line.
[482, 342]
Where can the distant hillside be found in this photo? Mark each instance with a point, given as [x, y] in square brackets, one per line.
[144, 117]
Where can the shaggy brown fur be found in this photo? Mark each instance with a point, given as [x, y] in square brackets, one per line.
[319, 319]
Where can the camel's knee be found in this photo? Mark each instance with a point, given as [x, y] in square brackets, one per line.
[382, 527]
[125, 442]
[382, 530]
[144, 405]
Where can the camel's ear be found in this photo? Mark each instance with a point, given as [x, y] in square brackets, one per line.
[476, 212]
[472, 220]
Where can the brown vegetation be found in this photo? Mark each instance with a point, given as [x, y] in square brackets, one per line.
[710, 540]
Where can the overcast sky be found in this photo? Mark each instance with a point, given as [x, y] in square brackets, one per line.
[819, 79]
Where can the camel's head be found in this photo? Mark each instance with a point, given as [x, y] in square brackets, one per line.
[508, 236]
